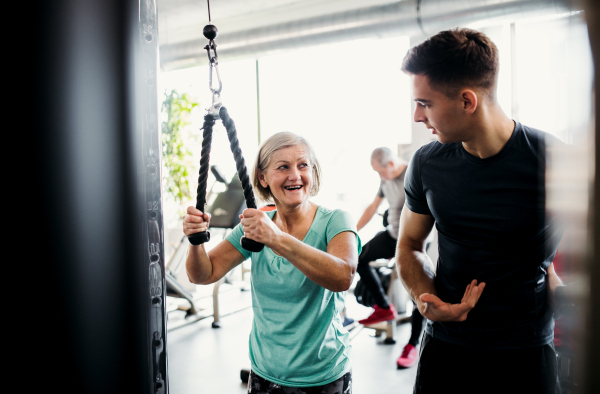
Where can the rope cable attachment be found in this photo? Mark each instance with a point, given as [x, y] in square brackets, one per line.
[240, 165]
[215, 112]
[209, 122]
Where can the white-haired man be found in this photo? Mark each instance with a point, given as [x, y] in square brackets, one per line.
[391, 170]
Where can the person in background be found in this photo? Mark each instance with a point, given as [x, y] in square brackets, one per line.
[297, 342]
[391, 170]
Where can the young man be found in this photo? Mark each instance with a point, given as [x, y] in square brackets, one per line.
[490, 327]
[391, 170]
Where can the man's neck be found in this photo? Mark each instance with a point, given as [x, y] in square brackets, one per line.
[493, 129]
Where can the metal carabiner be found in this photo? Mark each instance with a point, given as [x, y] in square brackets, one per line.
[216, 93]
[216, 106]
[213, 63]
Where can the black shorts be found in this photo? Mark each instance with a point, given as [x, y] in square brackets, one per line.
[258, 385]
[448, 368]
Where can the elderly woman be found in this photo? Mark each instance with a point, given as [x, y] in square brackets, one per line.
[297, 343]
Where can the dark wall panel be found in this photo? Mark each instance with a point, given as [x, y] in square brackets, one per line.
[93, 73]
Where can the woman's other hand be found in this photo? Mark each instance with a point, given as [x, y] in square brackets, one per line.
[259, 227]
[195, 221]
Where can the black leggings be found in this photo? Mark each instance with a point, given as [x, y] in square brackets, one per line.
[258, 385]
[383, 246]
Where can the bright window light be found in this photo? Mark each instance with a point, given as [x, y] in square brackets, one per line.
[346, 100]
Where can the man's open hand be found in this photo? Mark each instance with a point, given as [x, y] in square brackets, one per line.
[437, 310]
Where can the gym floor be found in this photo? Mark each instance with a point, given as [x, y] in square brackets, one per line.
[207, 360]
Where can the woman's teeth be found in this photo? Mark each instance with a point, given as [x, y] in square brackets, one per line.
[293, 187]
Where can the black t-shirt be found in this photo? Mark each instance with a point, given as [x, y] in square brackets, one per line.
[492, 226]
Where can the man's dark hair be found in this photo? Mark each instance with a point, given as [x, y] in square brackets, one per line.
[455, 59]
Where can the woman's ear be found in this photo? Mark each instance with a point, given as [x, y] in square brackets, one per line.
[262, 180]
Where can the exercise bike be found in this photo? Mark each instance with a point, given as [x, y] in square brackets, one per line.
[390, 281]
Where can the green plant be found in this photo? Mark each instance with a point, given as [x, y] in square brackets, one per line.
[177, 158]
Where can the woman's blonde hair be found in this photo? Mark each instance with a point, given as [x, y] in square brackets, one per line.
[281, 140]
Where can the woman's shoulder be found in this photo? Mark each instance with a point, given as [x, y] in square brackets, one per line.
[326, 215]
[324, 211]
[331, 222]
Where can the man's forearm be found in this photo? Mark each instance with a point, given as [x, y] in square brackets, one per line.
[416, 271]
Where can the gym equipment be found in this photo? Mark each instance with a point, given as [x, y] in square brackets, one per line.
[215, 112]
[362, 293]
[386, 269]
[385, 218]
[153, 228]
[217, 174]
[228, 206]
[96, 148]
[225, 211]
[245, 375]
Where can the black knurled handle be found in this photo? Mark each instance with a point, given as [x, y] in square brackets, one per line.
[251, 245]
[199, 238]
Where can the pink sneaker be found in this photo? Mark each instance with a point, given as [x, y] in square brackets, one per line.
[379, 315]
[408, 358]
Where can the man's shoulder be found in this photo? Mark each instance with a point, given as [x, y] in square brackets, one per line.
[537, 135]
[435, 149]
[536, 140]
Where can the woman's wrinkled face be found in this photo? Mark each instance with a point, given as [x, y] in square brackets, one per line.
[289, 175]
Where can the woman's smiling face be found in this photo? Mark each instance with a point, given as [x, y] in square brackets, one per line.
[289, 175]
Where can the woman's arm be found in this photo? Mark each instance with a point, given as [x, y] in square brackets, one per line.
[205, 268]
[333, 270]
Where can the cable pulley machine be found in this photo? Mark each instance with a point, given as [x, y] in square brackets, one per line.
[216, 111]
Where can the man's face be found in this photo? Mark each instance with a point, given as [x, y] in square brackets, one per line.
[443, 116]
[386, 172]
